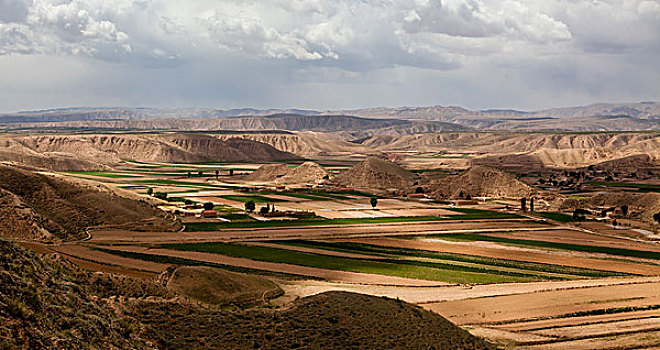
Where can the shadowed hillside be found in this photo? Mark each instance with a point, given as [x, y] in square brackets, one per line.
[332, 320]
[44, 207]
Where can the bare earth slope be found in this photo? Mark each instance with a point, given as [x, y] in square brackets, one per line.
[268, 173]
[374, 172]
[537, 149]
[481, 181]
[332, 320]
[95, 150]
[43, 202]
[305, 173]
[219, 287]
[302, 144]
[46, 306]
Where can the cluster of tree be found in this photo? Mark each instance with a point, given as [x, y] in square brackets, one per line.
[269, 208]
[217, 173]
[523, 204]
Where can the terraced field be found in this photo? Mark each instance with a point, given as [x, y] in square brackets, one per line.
[513, 278]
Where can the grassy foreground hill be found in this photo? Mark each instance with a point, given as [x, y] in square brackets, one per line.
[47, 303]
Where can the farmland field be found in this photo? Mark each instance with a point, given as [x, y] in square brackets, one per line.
[534, 280]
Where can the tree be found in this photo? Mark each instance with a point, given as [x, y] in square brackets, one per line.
[531, 204]
[249, 206]
[188, 202]
[231, 172]
[217, 173]
[199, 173]
[656, 217]
[264, 210]
[523, 204]
[189, 174]
[208, 206]
[624, 210]
[150, 191]
[272, 208]
[419, 190]
[374, 202]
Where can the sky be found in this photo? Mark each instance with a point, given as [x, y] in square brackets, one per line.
[335, 54]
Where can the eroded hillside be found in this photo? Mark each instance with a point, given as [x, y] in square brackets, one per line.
[45, 207]
[91, 152]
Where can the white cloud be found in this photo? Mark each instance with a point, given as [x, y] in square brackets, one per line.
[306, 39]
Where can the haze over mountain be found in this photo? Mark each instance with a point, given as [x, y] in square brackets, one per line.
[401, 120]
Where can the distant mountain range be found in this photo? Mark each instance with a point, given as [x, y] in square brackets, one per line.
[402, 120]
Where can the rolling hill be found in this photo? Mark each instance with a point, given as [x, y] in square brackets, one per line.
[91, 152]
[49, 208]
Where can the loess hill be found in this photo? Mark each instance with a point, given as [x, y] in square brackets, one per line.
[305, 173]
[480, 181]
[47, 303]
[331, 320]
[92, 152]
[528, 150]
[374, 172]
[44, 304]
[46, 207]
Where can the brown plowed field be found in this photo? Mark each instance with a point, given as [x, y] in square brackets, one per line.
[646, 340]
[575, 321]
[546, 304]
[90, 255]
[579, 237]
[603, 329]
[513, 254]
[337, 231]
[452, 293]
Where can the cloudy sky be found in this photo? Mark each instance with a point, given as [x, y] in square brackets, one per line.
[327, 54]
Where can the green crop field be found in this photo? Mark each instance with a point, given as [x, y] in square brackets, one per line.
[468, 214]
[640, 187]
[400, 268]
[555, 216]
[382, 251]
[163, 259]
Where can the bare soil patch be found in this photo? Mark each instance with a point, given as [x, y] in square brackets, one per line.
[547, 304]
[516, 254]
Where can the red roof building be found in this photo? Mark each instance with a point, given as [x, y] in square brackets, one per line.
[209, 213]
